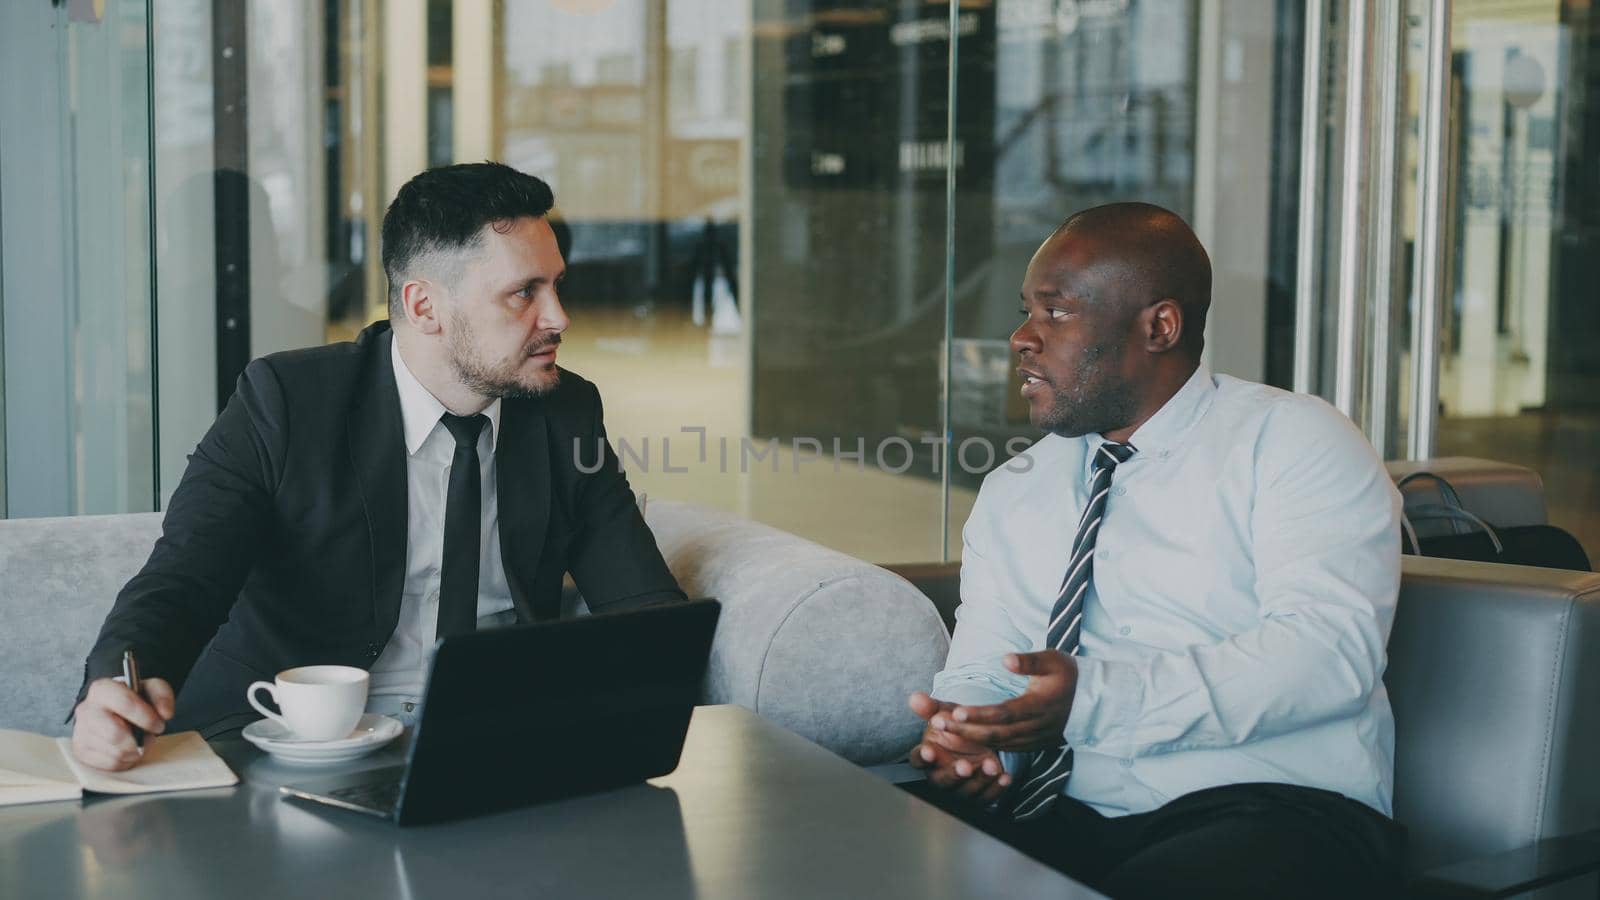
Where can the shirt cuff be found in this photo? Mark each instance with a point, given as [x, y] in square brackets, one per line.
[977, 686]
[970, 693]
[1012, 763]
[1108, 693]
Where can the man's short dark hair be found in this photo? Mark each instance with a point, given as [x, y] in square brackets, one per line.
[1159, 255]
[445, 209]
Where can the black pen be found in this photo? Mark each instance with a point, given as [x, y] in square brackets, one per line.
[130, 674]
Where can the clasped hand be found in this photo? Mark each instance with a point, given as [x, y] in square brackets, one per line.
[960, 744]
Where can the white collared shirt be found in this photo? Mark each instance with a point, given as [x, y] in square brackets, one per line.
[402, 667]
[1244, 584]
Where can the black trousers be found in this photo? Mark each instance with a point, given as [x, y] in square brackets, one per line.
[1236, 841]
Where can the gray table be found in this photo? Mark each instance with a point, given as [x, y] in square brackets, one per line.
[752, 811]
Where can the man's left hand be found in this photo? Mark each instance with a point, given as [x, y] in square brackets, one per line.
[1032, 721]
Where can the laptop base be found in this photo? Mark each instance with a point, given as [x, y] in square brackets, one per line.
[375, 792]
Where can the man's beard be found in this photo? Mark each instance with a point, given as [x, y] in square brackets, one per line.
[503, 380]
[1099, 399]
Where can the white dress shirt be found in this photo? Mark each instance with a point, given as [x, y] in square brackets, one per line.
[398, 673]
[1244, 584]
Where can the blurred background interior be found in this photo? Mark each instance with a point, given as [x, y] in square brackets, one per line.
[801, 221]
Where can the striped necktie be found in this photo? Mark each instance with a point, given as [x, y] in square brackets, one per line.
[1043, 772]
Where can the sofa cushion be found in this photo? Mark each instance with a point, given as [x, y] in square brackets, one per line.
[817, 641]
[1494, 675]
[61, 577]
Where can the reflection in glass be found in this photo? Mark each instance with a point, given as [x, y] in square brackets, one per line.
[1189, 106]
[77, 262]
[1520, 369]
[751, 198]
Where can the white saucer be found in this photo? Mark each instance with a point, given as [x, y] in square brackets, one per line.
[371, 732]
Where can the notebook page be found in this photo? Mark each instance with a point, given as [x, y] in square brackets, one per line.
[172, 762]
[32, 770]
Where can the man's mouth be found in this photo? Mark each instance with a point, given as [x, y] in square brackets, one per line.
[1032, 382]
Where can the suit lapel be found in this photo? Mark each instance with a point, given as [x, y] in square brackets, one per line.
[378, 454]
[522, 486]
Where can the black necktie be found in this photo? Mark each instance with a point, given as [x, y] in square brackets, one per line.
[1045, 771]
[463, 524]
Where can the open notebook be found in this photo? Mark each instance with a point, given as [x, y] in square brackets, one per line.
[35, 768]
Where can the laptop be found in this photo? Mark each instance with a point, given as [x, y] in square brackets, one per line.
[532, 713]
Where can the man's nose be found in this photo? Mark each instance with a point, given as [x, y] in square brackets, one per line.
[552, 316]
[1024, 339]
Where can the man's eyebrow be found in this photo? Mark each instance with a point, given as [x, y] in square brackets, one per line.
[1047, 293]
[538, 280]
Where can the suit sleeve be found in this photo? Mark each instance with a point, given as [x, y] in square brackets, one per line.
[613, 558]
[209, 537]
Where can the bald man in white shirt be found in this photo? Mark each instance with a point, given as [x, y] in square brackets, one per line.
[1166, 674]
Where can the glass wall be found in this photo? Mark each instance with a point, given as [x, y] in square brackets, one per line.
[256, 242]
[1189, 105]
[75, 260]
[756, 200]
[795, 229]
[1520, 333]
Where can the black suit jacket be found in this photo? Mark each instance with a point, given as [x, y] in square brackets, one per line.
[285, 542]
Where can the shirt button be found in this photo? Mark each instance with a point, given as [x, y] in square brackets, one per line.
[1126, 763]
[1119, 491]
[1165, 453]
[1124, 630]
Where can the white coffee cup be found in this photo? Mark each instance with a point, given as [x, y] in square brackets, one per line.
[319, 703]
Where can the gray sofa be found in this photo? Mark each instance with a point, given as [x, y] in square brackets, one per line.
[1494, 670]
[1494, 675]
[823, 644]
[1502, 494]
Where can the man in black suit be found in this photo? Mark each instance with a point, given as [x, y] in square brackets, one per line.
[354, 501]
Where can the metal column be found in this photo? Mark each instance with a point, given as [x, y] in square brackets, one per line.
[1430, 274]
[1307, 256]
[1353, 206]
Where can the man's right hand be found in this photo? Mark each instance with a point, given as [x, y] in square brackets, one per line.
[952, 762]
[102, 726]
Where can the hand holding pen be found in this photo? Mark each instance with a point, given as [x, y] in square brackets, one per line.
[113, 711]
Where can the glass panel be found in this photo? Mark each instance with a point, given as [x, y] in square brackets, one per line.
[1192, 106]
[848, 217]
[1520, 369]
[262, 221]
[753, 203]
[109, 55]
[752, 198]
[77, 261]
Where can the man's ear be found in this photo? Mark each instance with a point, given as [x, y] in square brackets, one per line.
[1163, 325]
[418, 301]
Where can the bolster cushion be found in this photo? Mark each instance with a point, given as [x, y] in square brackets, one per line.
[826, 645]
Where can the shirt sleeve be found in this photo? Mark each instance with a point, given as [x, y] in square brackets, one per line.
[985, 632]
[1325, 541]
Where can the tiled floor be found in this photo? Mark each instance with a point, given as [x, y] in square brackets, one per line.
[659, 374]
